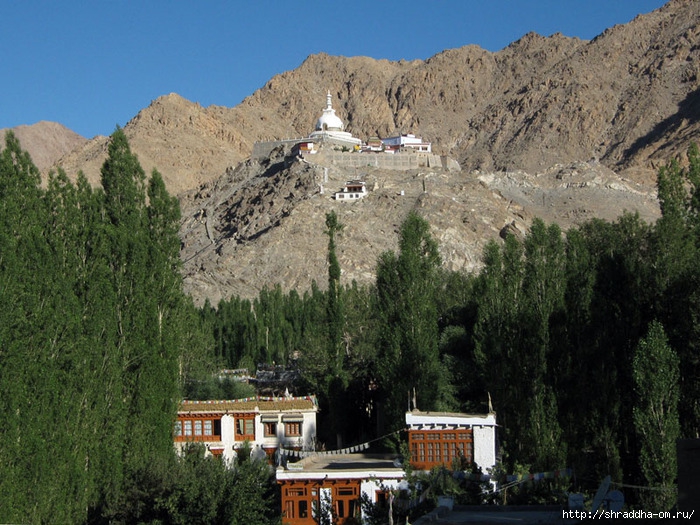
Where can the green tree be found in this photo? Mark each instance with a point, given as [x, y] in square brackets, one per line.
[543, 288]
[676, 274]
[336, 324]
[251, 496]
[406, 307]
[497, 333]
[656, 376]
[40, 452]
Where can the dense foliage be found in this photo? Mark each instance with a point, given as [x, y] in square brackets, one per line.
[96, 341]
[586, 344]
[553, 330]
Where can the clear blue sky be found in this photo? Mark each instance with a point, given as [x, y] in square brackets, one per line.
[91, 65]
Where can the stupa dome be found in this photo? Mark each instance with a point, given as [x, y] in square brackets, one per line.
[329, 121]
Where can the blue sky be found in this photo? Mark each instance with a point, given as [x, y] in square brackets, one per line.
[92, 65]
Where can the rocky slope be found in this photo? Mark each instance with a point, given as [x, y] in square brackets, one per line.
[557, 127]
[45, 142]
[263, 223]
[186, 143]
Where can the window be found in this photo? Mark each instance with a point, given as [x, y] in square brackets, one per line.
[270, 429]
[289, 509]
[292, 429]
[295, 502]
[198, 429]
[440, 447]
[345, 500]
[245, 427]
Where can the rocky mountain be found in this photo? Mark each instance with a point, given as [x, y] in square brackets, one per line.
[263, 223]
[45, 142]
[557, 127]
[626, 98]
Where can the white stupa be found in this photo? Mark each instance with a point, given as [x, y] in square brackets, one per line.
[330, 129]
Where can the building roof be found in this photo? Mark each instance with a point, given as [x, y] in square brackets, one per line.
[343, 466]
[416, 417]
[254, 404]
[349, 462]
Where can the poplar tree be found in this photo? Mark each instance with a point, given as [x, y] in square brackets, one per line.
[498, 331]
[676, 276]
[543, 288]
[656, 377]
[335, 303]
[140, 233]
[405, 303]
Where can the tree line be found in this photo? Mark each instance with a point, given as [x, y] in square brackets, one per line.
[585, 343]
[97, 340]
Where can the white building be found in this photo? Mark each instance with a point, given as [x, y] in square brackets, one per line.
[436, 438]
[340, 480]
[352, 191]
[407, 141]
[331, 129]
[266, 423]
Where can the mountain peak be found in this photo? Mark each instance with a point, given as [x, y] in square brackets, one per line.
[45, 141]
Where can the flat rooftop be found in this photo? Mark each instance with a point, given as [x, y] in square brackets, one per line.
[324, 462]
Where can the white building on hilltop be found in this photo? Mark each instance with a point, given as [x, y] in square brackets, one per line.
[407, 141]
[331, 129]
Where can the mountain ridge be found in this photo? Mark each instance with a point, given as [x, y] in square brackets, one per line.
[551, 126]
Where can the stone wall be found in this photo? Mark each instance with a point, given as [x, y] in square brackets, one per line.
[397, 161]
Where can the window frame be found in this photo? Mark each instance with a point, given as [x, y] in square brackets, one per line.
[200, 427]
[241, 433]
[293, 428]
[270, 429]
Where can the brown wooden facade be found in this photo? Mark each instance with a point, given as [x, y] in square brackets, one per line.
[302, 500]
[198, 427]
[431, 447]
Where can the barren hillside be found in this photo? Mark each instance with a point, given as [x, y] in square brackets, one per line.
[263, 224]
[45, 142]
[559, 127]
